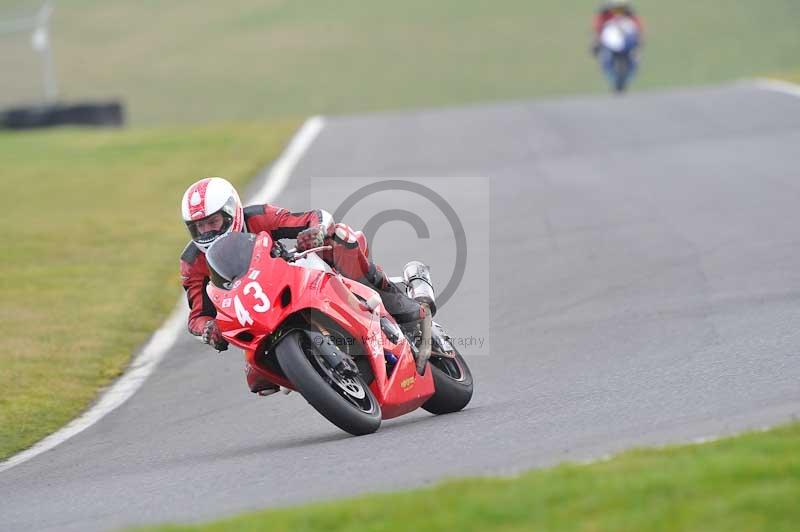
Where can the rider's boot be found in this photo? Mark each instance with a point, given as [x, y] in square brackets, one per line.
[406, 311]
[397, 303]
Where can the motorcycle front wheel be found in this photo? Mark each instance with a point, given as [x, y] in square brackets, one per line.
[345, 401]
[621, 69]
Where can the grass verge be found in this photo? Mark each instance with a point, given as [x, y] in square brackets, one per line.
[90, 254]
[792, 77]
[747, 483]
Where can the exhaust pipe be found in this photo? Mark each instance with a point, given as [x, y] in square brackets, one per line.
[419, 287]
[417, 277]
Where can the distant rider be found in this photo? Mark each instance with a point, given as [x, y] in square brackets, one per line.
[211, 208]
[610, 11]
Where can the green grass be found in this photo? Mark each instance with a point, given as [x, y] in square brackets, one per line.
[89, 266]
[793, 77]
[202, 60]
[90, 254]
[747, 483]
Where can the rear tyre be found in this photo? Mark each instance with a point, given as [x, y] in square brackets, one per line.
[453, 381]
[347, 402]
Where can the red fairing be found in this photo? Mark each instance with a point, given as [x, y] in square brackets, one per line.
[253, 309]
[601, 19]
[194, 271]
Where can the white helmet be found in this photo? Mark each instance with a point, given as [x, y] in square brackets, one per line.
[206, 198]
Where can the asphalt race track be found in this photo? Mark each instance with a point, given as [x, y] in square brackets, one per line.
[644, 288]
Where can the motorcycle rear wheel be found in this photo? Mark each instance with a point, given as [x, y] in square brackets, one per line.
[347, 402]
[452, 379]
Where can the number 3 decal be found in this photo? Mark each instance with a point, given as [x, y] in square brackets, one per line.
[259, 294]
[241, 313]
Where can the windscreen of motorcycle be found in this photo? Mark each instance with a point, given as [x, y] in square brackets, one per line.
[229, 258]
[313, 261]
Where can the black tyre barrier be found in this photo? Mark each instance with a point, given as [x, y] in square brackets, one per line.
[109, 114]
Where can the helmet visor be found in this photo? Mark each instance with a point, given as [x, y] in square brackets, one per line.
[205, 230]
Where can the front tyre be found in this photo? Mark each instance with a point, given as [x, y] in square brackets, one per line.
[347, 402]
[621, 72]
[453, 382]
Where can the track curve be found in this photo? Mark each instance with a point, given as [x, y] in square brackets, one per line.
[644, 290]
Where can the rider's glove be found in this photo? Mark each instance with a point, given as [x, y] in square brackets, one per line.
[310, 238]
[213, 337]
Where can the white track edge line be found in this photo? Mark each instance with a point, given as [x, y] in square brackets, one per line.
[146, 361]
[777, 85]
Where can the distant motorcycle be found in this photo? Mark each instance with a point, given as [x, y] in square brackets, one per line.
[307, 328]
[617, 52]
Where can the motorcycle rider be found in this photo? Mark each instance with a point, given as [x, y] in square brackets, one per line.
[211, 208]
[610, 11]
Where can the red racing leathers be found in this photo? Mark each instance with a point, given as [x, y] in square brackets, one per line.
[602, 18]
[350, 257]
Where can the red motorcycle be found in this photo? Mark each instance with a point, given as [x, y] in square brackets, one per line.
[307, 328]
